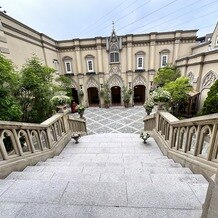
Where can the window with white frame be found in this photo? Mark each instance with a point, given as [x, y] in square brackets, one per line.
[164, 57]
[90, 66]
[68, 67]
[140, 62]
[90, 63]
[68, 64]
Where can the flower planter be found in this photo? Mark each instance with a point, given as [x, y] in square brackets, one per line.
[61, 108]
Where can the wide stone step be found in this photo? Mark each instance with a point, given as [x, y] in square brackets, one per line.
[35, 210]
[120, 194]
[146, 176]
[96, 166]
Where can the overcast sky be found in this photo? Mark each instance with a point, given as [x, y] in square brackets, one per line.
[67, 19]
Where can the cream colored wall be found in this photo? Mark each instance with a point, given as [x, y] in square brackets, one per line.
[200, 48]
[20, 51]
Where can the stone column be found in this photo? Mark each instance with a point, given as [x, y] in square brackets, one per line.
[129, 53]
[152, 51]
[78, 56]
[99, 54]
[3, 42]
[210, 208]
[129, 84]
[176, 46]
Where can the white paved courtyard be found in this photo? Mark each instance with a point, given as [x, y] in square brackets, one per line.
[115, 120]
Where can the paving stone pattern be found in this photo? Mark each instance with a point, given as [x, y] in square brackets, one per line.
[104, 176]
[114, 120]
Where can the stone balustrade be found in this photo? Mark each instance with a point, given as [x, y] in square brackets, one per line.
[149, 123]
[77, 125]
[193, 143]
[23, 144]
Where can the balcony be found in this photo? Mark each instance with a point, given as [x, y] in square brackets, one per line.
[91, 73]
[139, 70]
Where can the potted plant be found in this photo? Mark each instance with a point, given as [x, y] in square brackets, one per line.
[105, 94]
[149, 105]
[80, 109]
[144, 136]
[60, 102]
[126, 96]
[161, 96]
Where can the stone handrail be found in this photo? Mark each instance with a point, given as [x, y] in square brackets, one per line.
[149, 122]
[77, 125]
[23, 144]
[191, 141]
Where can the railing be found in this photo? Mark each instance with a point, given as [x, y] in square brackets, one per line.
[23, 144]
[77, 125]
[149, 122]
[193, 143]
[194, 140]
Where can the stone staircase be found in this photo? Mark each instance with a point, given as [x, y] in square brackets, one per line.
[105, 175]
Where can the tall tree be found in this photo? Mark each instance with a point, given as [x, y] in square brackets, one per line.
[166, 74]
[36, 91]
[64, 84]
[9, 81]
[179, 90]
[211, 103]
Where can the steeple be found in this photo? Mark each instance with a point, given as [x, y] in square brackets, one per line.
[114, 39]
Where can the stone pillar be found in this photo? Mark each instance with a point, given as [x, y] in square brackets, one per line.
[99, 54]
[210, 208]
[78, 56]
[200, 73]
[83, 100]
[3, 42]
[176, 46]
[129, 53]
[152, 51]
[129, 84]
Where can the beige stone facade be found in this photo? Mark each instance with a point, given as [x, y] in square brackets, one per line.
[202, 65]
[128, 60]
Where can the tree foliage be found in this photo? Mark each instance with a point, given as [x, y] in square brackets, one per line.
[36, 91]
[64, 84]
[211, 103]
[9, 81]
[166, 74]
[179, 89]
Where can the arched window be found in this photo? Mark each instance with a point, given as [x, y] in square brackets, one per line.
[68, 64]
[90, 63]
[140, 59]
[164, 57]
[114, 54]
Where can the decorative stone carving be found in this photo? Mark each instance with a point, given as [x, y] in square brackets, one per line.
[74, 85]
[139, 80]
[92, 83]
[115, 80]
[115, 69]
[191, 77]
[209, 79]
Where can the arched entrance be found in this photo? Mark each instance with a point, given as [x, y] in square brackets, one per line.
[116, 95]
[93, 96]
[139, 94]
[75, 95]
